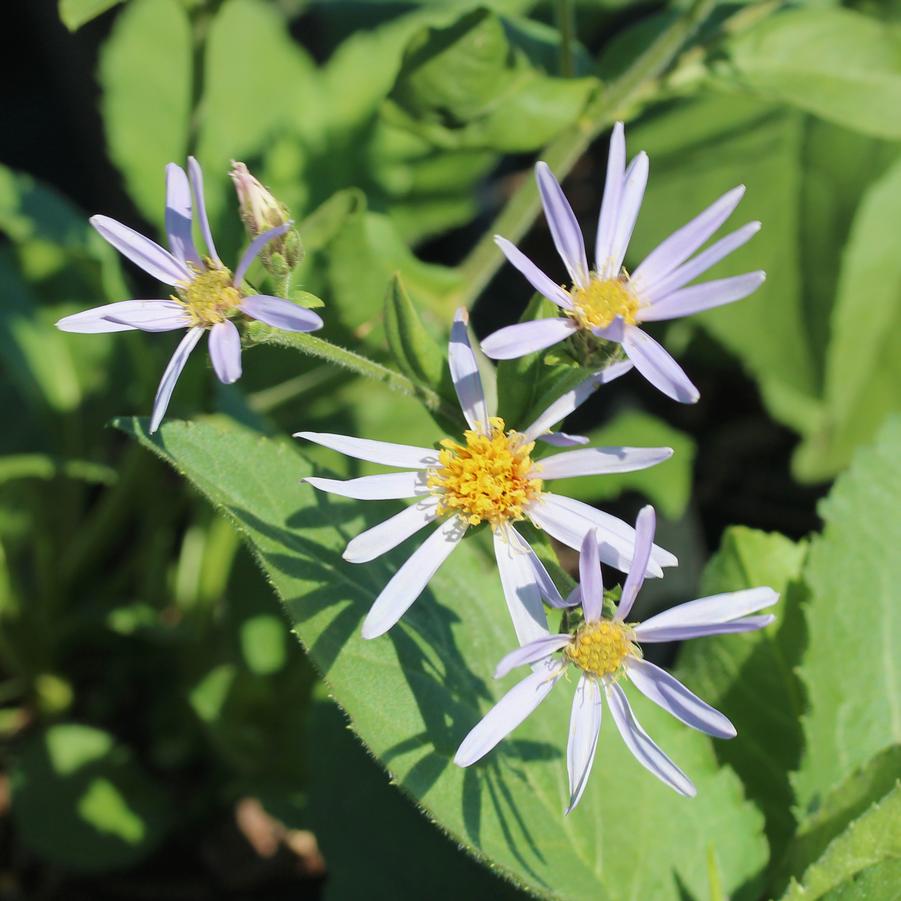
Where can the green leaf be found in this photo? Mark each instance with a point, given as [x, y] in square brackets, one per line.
[873, 840]
[146, 76]
[414, 694]
[862, 363]
[82, 801]
[843, 805]
[752, 677]
[667, 485]
[850, 668]
[471, 85]
[46, 467]
[76, 13]
[834, 63]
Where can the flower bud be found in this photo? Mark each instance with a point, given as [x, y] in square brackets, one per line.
[260, 212]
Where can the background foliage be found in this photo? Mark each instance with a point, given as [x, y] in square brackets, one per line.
[161, 729]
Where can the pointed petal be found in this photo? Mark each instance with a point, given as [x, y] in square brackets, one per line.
[645, 524]
[465, 374]
[143, 252]
[532, 652]
[703, 297]
[718, 608]
[386, 486]
[600, 460]
[584, 729]
[658, 367]
[701, 263]
[256, 245]
[649, 634]
[591, 583]
[280, 313]
[403, 456]
[170, 376]
[411, 579]
[669, 693]
[613, 187]
[568, 520]
[566, 403]
[615, 332]
[96, 320]
[520, 584]
[681, 244]
[527, 337]
[563, 225]
[542, 283]
[507, 714]
[196, 176]
[389, 534]
[642, 746]
[178, 216]
[545, 583]
[564, 439]
[635, 182]
[225, 351]
[149, 315]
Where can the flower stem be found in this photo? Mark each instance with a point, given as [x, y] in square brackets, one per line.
[563, 152]
[566, 25]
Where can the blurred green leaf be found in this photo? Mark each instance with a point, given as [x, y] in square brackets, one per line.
[667, 485]
[869, 849]
[146, 76]
[834, 63]
[44, 466]
[414, 694]
[849, 669]
[752, 678]
[81, 800]
[263, 645]
[468, 85]
[76, 13]
[840, 807]
[862, 368]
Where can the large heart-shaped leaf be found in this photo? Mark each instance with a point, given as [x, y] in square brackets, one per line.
[413, 695]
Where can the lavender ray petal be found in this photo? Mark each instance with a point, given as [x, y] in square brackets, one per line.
[382, 487]
[590, 580]
[634, 185]
[564, 439]
[225, 351]
[465, 374]
[147, 254]
[599, 460]
[170, 376]
[543, 284]
[389, 534]
[178, 216]
[281, 313]
[642, 746]
[645, 524]
[651, 634]
[527, 337]
[669, 693]
[408, 582]
[196, 175]
[256, 245]
[532, 652]
[613, 187]
[545, 583]
[95, 320]
[584, 729]
[520, 584]
[718, 608]
[403, 456]
[615, 331]
[507, 714]
[563, 225]
[702, 297]
[658, 367]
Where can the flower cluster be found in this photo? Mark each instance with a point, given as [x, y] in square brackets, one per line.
[492, 474]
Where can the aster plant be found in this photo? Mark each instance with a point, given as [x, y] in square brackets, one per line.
[488, 477]
[208, 295]
[605, 649]
[606, 301]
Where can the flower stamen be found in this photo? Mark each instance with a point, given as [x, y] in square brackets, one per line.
[210, 297]
[599, 648]
[597, 305]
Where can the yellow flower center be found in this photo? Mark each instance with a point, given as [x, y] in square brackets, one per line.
[602, 301]
[210, 297]
[489, 478]
[600, 648]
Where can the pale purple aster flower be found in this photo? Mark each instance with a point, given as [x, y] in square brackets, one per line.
[488, 477]
[609, 302]
[606, 648]
[207, 294]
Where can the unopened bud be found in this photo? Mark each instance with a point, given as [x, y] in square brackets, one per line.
[260, 211]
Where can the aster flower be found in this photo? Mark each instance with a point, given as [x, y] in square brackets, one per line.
[604, 649]
[207, 294]
[490, 477]
[607, 301]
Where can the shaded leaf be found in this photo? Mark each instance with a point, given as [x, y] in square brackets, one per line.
[76, 13]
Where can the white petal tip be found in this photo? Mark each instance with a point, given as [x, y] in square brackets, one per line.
[542, 166]
[369, 632]
[462, 315]
[305, 435]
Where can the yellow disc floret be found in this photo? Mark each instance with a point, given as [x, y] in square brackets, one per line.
[601, 647]
[210, 297]
[490, 478]
[602, 301]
